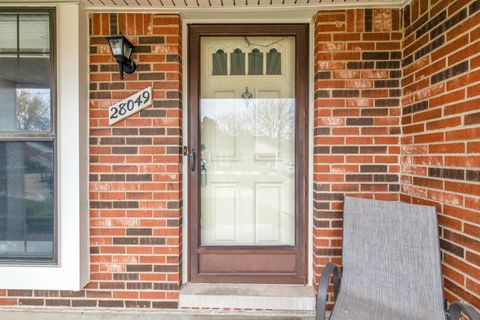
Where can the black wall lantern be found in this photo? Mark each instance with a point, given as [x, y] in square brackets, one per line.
[122, 51]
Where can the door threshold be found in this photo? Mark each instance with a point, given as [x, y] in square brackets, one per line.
[247, 296]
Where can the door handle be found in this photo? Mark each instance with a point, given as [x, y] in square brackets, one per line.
[193, 159]
[203, 172]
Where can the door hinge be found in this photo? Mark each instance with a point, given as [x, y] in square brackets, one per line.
[185, 150]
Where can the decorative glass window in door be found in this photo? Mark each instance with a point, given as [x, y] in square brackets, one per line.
[220, 63]
[237, 64]
[255, 62]
[225, 62]
[274, 62]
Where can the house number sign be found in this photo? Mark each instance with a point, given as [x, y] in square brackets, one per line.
[129, 106]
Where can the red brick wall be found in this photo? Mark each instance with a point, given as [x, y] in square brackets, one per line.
[357, 117]
[441, 131]
[135, 173]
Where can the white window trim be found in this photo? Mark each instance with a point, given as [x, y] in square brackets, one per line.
[72, 269]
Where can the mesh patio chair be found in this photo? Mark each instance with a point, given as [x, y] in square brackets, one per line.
[391, 266]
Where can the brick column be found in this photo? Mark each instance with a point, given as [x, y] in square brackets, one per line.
[357, 117]
[135, 166]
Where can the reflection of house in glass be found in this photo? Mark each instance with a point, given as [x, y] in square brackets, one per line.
[262, 129]
[26, 199]
[249, 153]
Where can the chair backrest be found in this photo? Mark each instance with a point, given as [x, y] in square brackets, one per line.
[391, 255]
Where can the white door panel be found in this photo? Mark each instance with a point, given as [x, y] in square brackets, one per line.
[225, 199]
[267, 211]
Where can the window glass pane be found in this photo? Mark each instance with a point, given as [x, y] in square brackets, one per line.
[238, 62]
[25, 79]
[220, 63]
[34, 33]
[8, 25]
[274, 62]
[26, 200]
[255, 62]
[33, 109]
[247, 152]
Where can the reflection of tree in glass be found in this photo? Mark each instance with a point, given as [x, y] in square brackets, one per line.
[33, 110]
[275, 118]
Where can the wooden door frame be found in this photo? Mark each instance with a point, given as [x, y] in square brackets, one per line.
[301, 33]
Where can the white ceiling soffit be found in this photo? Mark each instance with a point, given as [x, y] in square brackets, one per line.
[215, 5]
[240, 4]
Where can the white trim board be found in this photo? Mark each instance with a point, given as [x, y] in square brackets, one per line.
[280, 14]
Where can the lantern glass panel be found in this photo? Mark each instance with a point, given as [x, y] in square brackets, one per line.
[127, 50]
[116, 45]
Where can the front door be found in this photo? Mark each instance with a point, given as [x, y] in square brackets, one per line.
[248, 154]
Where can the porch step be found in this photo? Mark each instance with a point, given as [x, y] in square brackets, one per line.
[247, 296]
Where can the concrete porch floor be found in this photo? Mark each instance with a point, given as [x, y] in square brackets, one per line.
[72, 314]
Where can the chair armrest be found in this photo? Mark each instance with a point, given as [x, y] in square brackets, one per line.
[322, 294]
[457, 308]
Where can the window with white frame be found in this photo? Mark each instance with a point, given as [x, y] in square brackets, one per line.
[27, 136]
